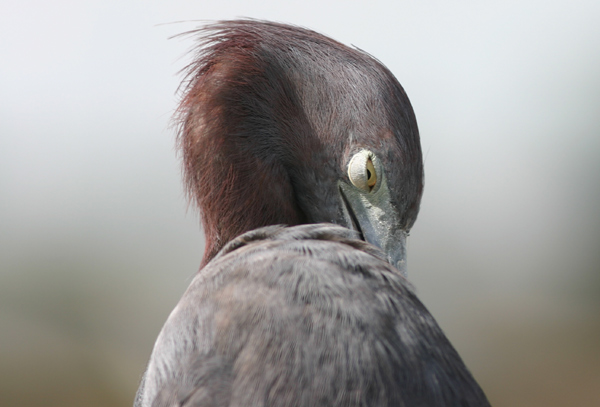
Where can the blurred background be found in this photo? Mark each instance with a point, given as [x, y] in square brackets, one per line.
[96, 243]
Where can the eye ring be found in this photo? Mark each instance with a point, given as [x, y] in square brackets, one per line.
[361, 171]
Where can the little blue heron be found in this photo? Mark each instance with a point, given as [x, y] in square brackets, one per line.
[303, 156]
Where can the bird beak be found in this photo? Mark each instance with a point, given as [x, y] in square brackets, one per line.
[373, 215]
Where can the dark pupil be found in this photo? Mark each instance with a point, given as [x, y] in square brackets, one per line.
[368, 174]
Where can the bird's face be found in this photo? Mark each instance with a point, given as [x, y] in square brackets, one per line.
[366, 191]
[361, 164]
[367, 207]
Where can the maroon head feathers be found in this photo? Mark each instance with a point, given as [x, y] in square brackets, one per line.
[268, 117]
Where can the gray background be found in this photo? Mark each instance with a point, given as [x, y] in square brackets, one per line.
[96, 245]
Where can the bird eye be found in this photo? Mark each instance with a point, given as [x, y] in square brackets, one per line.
[361, 171]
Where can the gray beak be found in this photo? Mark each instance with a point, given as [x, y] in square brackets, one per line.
[379, 222]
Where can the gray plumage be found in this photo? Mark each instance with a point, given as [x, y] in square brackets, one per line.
[304, 316]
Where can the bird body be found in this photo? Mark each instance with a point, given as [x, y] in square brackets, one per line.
[281, 125]
[304, 316]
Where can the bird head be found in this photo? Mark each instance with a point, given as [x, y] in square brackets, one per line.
[282, 125]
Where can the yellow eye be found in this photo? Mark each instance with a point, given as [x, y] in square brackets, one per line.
[361, 171]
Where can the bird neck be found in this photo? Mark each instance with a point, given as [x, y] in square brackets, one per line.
[252, 193]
